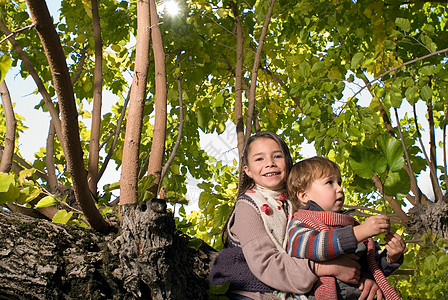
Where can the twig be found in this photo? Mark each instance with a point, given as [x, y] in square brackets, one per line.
[17, 31]
[390, 71]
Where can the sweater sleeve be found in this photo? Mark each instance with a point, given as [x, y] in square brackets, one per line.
[307, 242]
[274, 268]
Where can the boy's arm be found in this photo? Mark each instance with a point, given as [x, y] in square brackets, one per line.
[307, 242]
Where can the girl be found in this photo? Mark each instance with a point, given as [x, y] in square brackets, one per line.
[254, 260]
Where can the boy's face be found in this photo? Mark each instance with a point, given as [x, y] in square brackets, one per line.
[325, 191]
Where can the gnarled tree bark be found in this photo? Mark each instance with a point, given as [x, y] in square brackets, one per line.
[148, 260]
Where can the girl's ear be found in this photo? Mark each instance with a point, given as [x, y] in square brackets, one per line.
[303, 197]
[247, 171]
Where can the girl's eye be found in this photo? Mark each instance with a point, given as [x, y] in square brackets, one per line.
[258, 159]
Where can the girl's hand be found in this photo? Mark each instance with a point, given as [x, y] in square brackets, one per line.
[372, 226]
[369, 289]
[395, 247]
[345, 268]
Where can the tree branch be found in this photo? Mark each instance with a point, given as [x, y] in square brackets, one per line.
[116, 136]
[78, 72]
[11, 34]
[417, 192]
[180, 128]
[11, 124]
[390, 71]
[49, 159]
[160, 102]
[445, 122]
[432, 170]
[95, 132]
[40, 85]
[69, 114]
[432, 163]
[239, 121]
[129, 168]
[392, 202]
[253, 82]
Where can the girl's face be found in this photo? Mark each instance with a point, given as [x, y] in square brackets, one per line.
[266, 164]
[326, 191]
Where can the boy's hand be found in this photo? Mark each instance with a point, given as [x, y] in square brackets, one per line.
[369, 289]
[395, 246]
[372, 226]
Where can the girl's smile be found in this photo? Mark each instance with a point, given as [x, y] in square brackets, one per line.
[266, 164]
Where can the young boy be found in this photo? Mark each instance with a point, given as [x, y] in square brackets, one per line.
[319, 231]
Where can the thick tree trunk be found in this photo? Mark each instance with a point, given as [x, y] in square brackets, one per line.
[148, 260]
[431, 217]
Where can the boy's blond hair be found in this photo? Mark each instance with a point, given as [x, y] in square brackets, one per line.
[305, 172]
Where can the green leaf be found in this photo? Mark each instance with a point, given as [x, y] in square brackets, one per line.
[318, 66]
[46, 201]
[5, 65]
[403, 24]
[194, 243]
[412, 95]
[393, 152]
[24, 174]
[6, 180]
[366, 161]
[219, 289]
[426, 93]
[62, 217]
[27, 194]
[443, 261]
[397, 183]
[357, 60]
[203, 200]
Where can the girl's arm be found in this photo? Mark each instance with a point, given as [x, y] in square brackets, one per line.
[306, 242]
[275, 268]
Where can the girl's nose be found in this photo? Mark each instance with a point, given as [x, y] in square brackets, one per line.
[270, 163]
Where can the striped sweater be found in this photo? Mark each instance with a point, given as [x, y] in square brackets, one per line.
[305, 241]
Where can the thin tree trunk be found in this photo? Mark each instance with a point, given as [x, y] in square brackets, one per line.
[239, 121]
[116, 136]
[180, 127]
[52, 181]
[69, 114]
[11, 124]
[432, 154]
[158, 136]
[129, 168]
[95, 132]
[256, 66]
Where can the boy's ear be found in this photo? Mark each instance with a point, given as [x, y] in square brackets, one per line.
[247, 171]
[303, 197]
